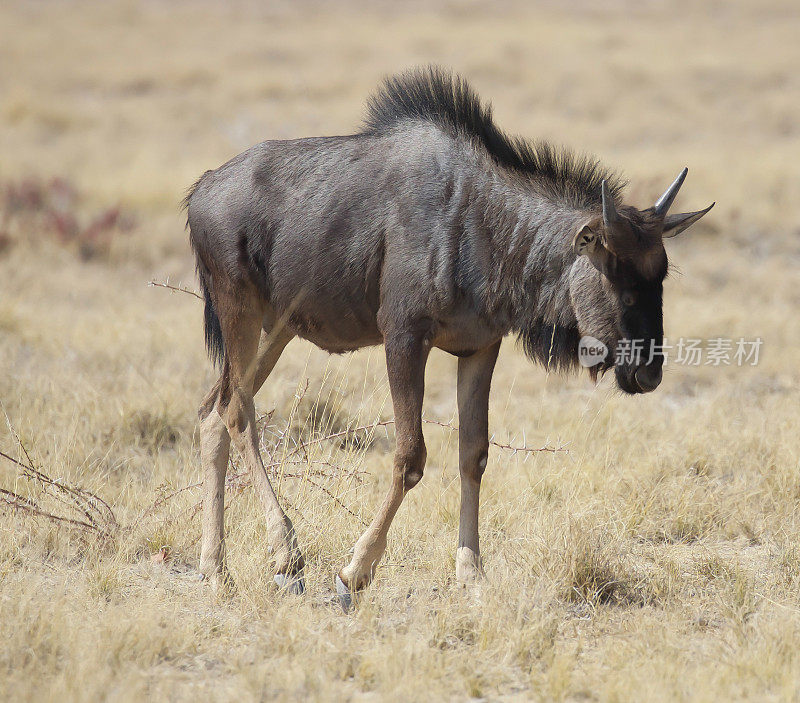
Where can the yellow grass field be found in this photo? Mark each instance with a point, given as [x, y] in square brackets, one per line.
[655, 557]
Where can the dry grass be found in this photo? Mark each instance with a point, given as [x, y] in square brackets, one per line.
[658, 559]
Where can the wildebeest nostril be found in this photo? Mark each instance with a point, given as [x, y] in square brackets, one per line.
[648, 377]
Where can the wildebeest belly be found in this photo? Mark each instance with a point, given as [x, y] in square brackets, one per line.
[327, 300]
[334, 328]
[339, 329]
[461, 331]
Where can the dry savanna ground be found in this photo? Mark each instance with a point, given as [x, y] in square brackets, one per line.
[656, 558]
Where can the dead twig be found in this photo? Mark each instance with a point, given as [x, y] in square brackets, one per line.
[302, 446]
[499, 445]
[82, 500]
[162, 500]
[97, 514]
[175, 289]
[18, 502]
[9, 499]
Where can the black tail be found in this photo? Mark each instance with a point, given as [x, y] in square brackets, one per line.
[215, 344]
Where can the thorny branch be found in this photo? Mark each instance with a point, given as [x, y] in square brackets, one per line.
[99, 517]
[18, 502]
[175, 289]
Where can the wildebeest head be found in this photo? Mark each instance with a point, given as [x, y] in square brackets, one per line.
[616, 284]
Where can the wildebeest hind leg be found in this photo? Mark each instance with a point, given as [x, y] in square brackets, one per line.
[215, 445]
[406, 354]
[274, 338]
[215, 450]
[241, 321]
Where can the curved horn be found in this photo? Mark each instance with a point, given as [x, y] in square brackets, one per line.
[665, 201]
[675, 224]
[610, 215]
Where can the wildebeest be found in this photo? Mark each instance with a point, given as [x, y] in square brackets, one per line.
[428, 228]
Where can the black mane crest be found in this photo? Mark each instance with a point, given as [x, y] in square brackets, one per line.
[435, 95]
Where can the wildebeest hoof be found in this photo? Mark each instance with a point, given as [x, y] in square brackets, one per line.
[220, 582]
[294, 584]
[194, 576]
[344, 594]
[469, 567]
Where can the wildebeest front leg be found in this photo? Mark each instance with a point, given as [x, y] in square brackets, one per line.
[474, 379]
[406, 354]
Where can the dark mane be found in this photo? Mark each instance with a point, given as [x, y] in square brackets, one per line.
[435, 95]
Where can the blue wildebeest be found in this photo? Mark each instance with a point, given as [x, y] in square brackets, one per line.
[428, 228]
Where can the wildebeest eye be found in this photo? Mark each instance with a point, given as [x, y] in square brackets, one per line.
[628, 298]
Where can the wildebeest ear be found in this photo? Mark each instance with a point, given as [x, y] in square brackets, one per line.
[587, 239]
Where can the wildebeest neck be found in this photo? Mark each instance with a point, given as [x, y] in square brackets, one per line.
[531, 233]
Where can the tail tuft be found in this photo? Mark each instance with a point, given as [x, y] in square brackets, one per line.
[215, 345]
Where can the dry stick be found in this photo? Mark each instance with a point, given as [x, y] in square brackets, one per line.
[81, 499]
[303, 446]
[161, 500]
[29, 472]
[306, 475]
[447, 425]
[508, 447]
[333, 497]
[20, 503]
[318, 440]
[177, 289]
